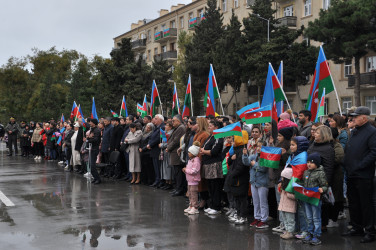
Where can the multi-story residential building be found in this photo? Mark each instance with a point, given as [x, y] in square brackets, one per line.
[158, 39]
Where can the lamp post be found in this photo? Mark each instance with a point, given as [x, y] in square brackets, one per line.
[268, 20]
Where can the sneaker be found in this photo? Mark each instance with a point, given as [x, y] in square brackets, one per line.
[279, 229]
[207, 210]
[307, 239]
[262, 225]
[193, 211]
[87, 174]
[214, 212]
[332, 224]
[36, 158]
[315, 241]
[39, 158]
[66, 168]
[240, 221]
[233, 218]
[187, 209]
[234, 212]
[230, 211]
[60, 162]
[254, 223]
[341, 216]
[301, 235]
[287, 236]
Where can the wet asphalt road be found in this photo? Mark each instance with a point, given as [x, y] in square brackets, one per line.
[58, 210]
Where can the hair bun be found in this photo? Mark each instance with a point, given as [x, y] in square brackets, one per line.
[196, 143]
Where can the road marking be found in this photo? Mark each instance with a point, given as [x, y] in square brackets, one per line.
[5, 200]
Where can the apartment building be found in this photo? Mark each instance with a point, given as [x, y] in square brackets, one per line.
[157, 38]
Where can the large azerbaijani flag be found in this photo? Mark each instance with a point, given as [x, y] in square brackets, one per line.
[321, 110]
[123, 108]
[187, 109]
[261, 115]
[74, 110]
[309, 195]
[229, 130]
[270, 157]
[279, 105]
[155, 101]
[321, 79]
[94, 114]
[211, 93]
[175, 102]
[241, 112]
[299, 165]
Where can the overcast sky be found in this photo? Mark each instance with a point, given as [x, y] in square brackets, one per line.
[87, 26]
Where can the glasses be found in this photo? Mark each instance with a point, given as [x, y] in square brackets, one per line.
[192, 123]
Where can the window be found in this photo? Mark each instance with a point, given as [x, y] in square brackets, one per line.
[250, 3]
[307, 7]
[371, 63]
[163, 27]
[347, 69]
[371, 103]
[164, 48]
[155, 51]
[304, 103]
[225, 90]
[200, 13]
[224, 5]
[173, 24]
[325, 4]
[306, 40]
[149, 35]
[143, 36]
[236, 3]
[182, 22]
[346, 103]
[149, 54]
[172, 47]
[190, 15]
[288, 11]
[155, 30]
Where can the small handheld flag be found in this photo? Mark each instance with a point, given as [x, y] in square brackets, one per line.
[249, 107]
[279, 105]
[62, 118]
[141, 109]
[309, 195]
[163, 135]
[261, 115]
[123, 108]
[270, 157]
[229, 130]
[114, 114]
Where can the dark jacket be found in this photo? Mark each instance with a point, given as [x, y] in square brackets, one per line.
[360, 152]
[237, 180]
[25, 140]
[49, 133]
[315, 178]
[306, 130]
[215, 146]
[12, 127]
[67, 138]
[326, 152]
[154, 141]
[117, 133]
[143, 145]
[96, 139]
[106, 138]
[79, 139]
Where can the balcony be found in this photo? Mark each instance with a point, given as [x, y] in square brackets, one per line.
[192, 23]
[166, 35]
[289, 21]
[168, 55]
[366, 80]
[139, 45]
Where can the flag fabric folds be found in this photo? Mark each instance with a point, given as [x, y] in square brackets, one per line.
[123, 108]
[241, 112]
[163, 135]
[141, 109]
[74, 110]
[270, 157]
[94, 111]
[279, 105]
[62, 119]
[261, 115]
[309, 195]
[299, 165]
[114, 114]
[321, 79]
[145, 105]
[155, 101]
[225, 166]
[211, 93]
[321, 110]
[175, 102]
[229, 130]
[188, 100]
[81, 115]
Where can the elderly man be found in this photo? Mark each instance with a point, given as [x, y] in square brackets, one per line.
[359, 162]
[153, 146]
[13, 130]
[173, 143]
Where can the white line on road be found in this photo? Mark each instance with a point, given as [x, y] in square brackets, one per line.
[5, 200]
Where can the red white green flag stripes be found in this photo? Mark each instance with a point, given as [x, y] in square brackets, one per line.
[175, 102]
[143, 112]
[123, 108]
[229, 130]
[155, 101]
[309, 195]
[211, 94]
[145, 104]
[321, 111]
[270, 157]
[261, 115]
[187, 109]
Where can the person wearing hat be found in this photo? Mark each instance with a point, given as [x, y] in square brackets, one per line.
[359, 163]
[94, 139]
[12, 129]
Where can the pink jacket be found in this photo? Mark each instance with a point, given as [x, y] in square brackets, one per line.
[192, 171]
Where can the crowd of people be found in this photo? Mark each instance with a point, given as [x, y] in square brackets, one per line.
[224, 175]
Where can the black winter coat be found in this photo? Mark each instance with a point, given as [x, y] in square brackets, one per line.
[106, 138]
[80, 139]
[50, 144]
[326, 152]
[67, 138]
[215, 146]
[96, 139]
[154, 141]
[117, 134]
[237, 180]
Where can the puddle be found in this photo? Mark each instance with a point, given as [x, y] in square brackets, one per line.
[16, 240]
[5, 217]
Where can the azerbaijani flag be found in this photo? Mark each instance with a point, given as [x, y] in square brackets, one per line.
[94, 111]
[187, 109]
[211, 93]
[270, 157]
[166, 32]
[175, 102]
[249, 107]
[74, 110]
[279, 105]
[192, 22]
[309, 195]
[229, 130]
[163, 135]
[123, 109]
[60, 137]
[145, 105]
[62, 118]
[81, 115]
[141, 109]
[225, 165]
[321, 79]
[299, 165]
[261, 115]
[155, 101]
[157, 36]
[321, 111]
[114, 114]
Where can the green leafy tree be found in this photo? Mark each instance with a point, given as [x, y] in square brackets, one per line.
[161, 72]
[348, 32]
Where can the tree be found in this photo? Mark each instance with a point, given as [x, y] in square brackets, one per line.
[162, 75]
[180, 74]
[201, 51]
[348, 32]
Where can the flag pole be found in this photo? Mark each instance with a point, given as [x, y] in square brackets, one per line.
[219, 94]
[190, 90]
[121, 105]
[159, 97]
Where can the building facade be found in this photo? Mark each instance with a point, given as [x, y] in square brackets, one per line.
[157, 38]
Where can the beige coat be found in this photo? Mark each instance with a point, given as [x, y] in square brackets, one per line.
[173, 143]
[134, 155]
[37, 137]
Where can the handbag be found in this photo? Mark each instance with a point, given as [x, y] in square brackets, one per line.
[328, 197]
[123, 147]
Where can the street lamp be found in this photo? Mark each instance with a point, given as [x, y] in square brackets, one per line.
[268, 20]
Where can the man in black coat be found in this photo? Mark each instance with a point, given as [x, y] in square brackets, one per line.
[359, 162]
[13, 130]
[106, 139]
[94, 139]
[117, 134]
[153, 146]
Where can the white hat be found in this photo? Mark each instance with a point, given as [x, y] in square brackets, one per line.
[194, 150]
[76, 125]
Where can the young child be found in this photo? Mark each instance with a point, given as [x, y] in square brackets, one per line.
[259, 179]
[192, 173]
[314, 177]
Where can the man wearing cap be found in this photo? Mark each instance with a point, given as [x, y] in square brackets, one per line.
[12, 129]
[359, 162]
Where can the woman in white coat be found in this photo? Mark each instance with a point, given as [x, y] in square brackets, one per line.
[133, 139]
[76, 157]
